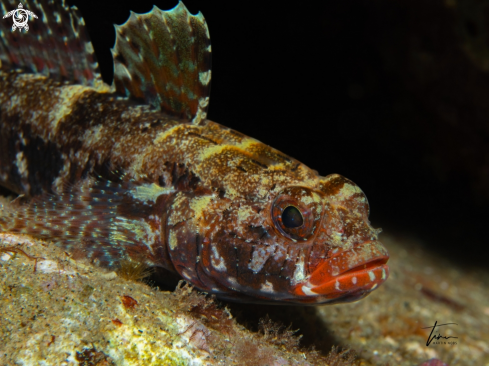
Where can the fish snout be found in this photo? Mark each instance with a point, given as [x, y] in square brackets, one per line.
[348, 275]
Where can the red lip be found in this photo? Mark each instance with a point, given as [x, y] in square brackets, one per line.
[349, 274]
[369, 265]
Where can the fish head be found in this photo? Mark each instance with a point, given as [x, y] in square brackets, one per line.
[302, 244]
[349, 261]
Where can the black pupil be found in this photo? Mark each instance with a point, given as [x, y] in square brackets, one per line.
[291, 217]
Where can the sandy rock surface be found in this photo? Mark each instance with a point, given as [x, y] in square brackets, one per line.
[56, 311]
[387, 327]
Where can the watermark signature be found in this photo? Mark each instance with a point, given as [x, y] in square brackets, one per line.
[437, 337]
[20, 16]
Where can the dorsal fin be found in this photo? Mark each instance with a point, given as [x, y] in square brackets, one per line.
[163, 58]
[56, 44]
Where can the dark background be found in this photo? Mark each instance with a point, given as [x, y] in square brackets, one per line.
[391, 94]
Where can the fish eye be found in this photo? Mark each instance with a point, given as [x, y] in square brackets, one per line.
[296, 213]
[292, 217]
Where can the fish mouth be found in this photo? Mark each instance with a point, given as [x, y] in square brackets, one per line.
[347, 276]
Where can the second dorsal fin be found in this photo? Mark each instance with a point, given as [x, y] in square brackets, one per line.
[164, 59]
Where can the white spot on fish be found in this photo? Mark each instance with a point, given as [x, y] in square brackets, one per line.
[205, 77]
[349, 190]
[201, 115]
[337, 285]
[354, 280]
[373, 287]
[172, 240]
[299, 273]
[89, 48]
[338, 236]
[21, 163]
[217, 261]
[267, 287]
[335, 271]
[308, 291]
[187, 275]
[371, 275]
[233, 281]
[383, 274]
[199, 204]
[260, 256]
[204, 102]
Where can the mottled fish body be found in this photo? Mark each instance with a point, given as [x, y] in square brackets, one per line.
[137, 171]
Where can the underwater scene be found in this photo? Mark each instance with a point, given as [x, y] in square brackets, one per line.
[326, 204]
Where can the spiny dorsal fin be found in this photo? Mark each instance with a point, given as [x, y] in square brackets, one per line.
[56, 44]
[164, 58]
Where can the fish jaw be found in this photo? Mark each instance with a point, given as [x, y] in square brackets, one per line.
[346, 276]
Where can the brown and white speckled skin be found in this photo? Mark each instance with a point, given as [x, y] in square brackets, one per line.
[215, 189]
[175, 190]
